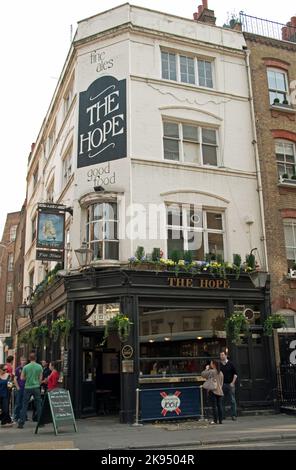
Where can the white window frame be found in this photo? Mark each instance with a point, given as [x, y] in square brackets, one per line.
[285, 92]
[287, 313]
[34, 228]
[103, 240]
[9, 293]
[284, 162]
[181, 141]
[185, 228]
[196, 59]
[10, 263]
[67, 164]
[288, 222]
[12, 233]
[7, 325]
[50, 192]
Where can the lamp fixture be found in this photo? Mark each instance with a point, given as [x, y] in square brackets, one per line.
[83, 255]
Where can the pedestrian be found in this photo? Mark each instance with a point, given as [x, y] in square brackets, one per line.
[215, 389]
[45, 374]
[20, 387]
[5, 387]
[53, 379]
[32, 374]
[9, 363]
[230, 377]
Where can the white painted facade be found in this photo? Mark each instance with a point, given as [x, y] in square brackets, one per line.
[126, 43]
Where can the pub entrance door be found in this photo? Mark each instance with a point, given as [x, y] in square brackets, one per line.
[252, 359]
[100, 374]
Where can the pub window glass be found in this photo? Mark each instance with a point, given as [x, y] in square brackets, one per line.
[97, 315]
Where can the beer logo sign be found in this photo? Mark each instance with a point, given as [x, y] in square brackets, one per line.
[170, 403]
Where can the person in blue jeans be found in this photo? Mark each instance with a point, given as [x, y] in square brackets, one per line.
[20, 388]
[32, 374]
[5, 381]
[230, 376]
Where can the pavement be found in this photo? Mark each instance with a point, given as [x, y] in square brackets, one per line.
[107, 433]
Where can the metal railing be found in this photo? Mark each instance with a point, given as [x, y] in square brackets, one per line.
[286, 380]
[263, 27]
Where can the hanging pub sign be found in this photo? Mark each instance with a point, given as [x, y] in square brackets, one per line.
[102, 122]
[50, 232]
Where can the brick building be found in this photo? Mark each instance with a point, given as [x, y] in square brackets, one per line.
[273, 75]
[7, 277]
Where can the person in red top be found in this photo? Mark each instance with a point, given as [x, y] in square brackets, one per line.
[52, 380]
[9, 362]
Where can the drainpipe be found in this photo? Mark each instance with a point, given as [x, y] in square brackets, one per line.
[255, 146]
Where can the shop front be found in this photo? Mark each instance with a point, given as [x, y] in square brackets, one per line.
[177, 328]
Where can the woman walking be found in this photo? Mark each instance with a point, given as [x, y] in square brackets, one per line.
[214, 384]
[5, 387]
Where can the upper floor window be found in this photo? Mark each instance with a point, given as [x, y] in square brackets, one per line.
[67, 166]
[187, 69]
[290, 240]
[102, 231]
[189, 228]
[10, 262]
[7, 325]
[35, 176]
[68, 99]
[51, 139]
[9, 293]
[285, 158]
[50, 192]
[188, 143]
[277, 86]
[12, 233]
[34, 227]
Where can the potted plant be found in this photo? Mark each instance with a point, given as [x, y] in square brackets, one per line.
[25, 337]
[61, 328]
[39, 335]
[119, 323]
[273, 322]
[286, 102]
[276, 101]
[235, 325]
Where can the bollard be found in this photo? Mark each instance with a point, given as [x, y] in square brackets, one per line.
[137, 408]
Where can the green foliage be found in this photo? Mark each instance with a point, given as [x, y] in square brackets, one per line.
[251, 261]
[236, 324]
[25, 337]
[140, 253]
[156, 254]
[119, 323]
[188, 257]
[237, 260]
[176, 256]
[39, 335]
[47, 281]
[272, 322]
[61, 328]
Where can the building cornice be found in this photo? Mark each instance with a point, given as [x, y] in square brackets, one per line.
[287, 45]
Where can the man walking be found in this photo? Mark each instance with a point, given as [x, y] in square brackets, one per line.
[230, 375]
[32, 374]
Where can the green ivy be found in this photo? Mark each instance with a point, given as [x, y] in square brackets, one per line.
[119, 323]
[272, 322]
[236, 324]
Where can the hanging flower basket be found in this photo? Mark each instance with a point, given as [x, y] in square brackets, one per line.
[39, 335]
[25, 337]
[273, 322]
[121, 324]
[60, 328]
[235, 325]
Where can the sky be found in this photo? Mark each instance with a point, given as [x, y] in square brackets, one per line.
[34, 41]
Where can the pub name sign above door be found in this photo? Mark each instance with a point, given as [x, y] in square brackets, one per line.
[102, 122]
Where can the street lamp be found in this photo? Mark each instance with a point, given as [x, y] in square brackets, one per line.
[25, 311]
[258, 278]
[84, 255]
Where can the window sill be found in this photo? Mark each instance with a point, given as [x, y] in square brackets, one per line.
[105, 263]
[283, 108]
[287, 183]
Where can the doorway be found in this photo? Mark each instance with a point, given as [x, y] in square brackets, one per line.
[100, 374]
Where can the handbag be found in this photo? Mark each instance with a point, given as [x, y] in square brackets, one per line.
[210, 384]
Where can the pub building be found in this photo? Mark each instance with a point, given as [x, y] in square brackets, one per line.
[141, 147]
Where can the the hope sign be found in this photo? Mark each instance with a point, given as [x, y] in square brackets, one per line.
[102, 122]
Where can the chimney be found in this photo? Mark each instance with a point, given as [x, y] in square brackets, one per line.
[204, 15]
[289, 31]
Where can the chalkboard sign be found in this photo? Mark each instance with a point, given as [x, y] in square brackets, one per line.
[57, 408]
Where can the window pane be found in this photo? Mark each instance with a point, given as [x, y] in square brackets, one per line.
[97, 232]
[215, 241]
[97, 211]
[280, 81]
[209, 155]
[191, 152]
[289, 238]
[190, 133]
[110, 229]
[194, 217]
[171, 149]
[97, 248]
[168, 63]
[110, 211]
[196, 245]
[209, 136]
[111, 250]
[165, 65]
[187, 69]
[205, 73]
[271, 80]
[171, 129]
[174, 215]
[172, 67]
[175, 241]
[290, 253]
[214, 221]
[281, 169]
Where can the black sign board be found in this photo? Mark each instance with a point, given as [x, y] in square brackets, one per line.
[57, 409]
[49, 255]
[102, 122]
